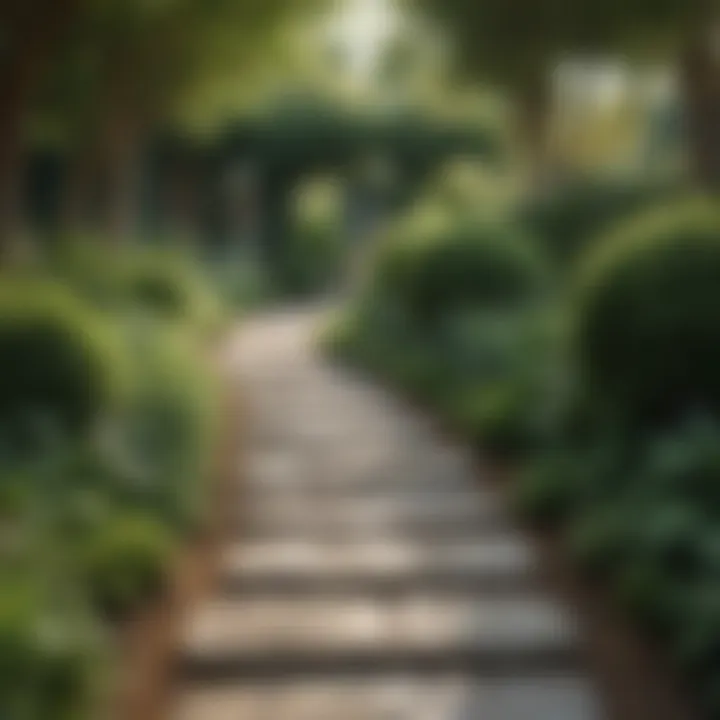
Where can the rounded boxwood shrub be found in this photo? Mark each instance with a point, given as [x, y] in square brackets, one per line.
[58, 363]
[168, 285]
[125, 562]
[648, 337]
[452, 265]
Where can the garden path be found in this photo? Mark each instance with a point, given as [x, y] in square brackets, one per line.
[372, 575]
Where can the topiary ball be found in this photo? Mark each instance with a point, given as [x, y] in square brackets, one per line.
[58, 363]
[472, 263]
[647, 334]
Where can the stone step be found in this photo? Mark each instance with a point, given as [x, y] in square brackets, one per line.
[501, 557]
[322, 516]
[274, 636]
[394, 698]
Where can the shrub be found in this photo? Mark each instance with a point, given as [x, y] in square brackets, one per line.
[312, 258]
[164, 282]
[48, 664]
[474, 263]
[548, 489]
[58, 363]
[168, 285]
[567, 219]
[648, 340]
[159, 446]
[125, 562]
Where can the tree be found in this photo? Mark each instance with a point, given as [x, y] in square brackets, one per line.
[513, 46]
[29, 31]
[128, 69]
[517, 44]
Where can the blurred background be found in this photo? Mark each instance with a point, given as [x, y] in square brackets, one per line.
[512, 204]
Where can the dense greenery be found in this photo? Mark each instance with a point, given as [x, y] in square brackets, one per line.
[60, 365]
[452, 312]
[648, 343]
[108, 430]
[602, 393]
[566, 220]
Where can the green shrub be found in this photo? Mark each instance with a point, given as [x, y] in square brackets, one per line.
[170, 286]
[648, 340]
[125, 562]
[49, 658]
[312, 259]
[471, 264]
[58, 364]
[160, 445]
[569, 218]
[548, 489]
[161, 281]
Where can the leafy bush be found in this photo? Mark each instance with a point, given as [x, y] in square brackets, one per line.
[164, 282]
[58, 364]
[48, 664]
[125, 561]
[312, 258]
[170, 286]
[450, 266]
[569, 218]
[648, 339]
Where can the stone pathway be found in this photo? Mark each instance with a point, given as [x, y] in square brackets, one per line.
[372, 577]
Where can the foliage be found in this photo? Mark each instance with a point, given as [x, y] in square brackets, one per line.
[311, 261]
[569, 218]
[169, 285]
[160, 281]
[647, 342]
[125, 561]
[50, 655]
[161, 441]
[62, 368]
[436, 267]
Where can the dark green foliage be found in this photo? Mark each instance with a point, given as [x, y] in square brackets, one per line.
[648, 339]
[61, 369]
[471, 264]
[163, 437]
[568, 219]
[125, 562]
[311, 263]
[549, 488]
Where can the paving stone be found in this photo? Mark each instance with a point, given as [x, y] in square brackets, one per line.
[504, 555]
[372, 577]
[271, 627]
[401, 698]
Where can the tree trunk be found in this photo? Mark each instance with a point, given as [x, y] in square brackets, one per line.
[30, 33]
[533, 102]
[13, 97]
[700, 90]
